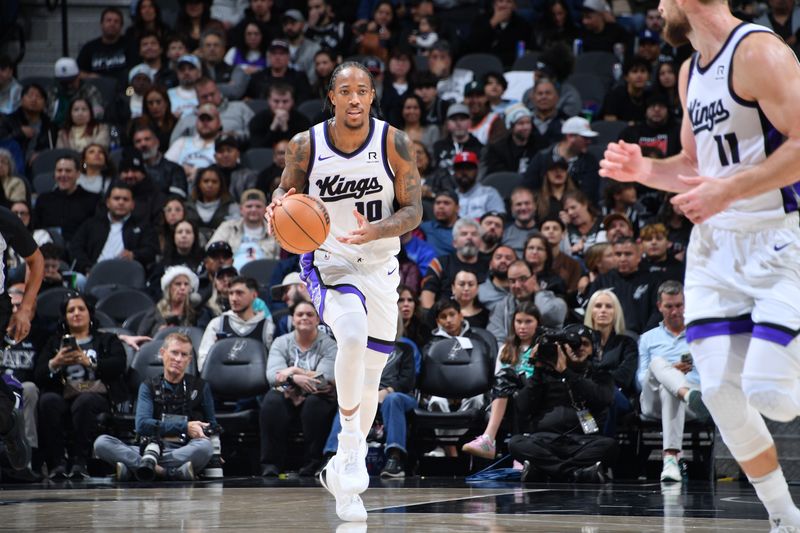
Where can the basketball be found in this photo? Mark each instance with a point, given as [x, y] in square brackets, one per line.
[301, 223]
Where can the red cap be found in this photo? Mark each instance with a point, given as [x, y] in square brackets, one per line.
[465, 158]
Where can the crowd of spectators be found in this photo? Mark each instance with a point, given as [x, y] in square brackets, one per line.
[165, 170]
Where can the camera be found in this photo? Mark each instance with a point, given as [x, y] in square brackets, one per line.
[550, 339]
[212, 429]
[150, 457]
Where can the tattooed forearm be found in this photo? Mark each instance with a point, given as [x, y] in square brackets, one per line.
[407, 191]
[294, 173]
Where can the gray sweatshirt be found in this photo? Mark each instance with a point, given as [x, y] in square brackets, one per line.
[285, 353]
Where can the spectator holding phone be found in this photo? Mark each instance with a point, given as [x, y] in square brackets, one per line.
[300, 370]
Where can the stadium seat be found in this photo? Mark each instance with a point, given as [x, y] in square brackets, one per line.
[123, 303]
[48, 304]
[480, 64]
[310, 109]
[133, 321]
[597, 63]
[45, 82]
[260, 270]
[592, 88]
[257, 105]
[45, 162]
[257, 159]
[115, 272]
[504, 182]
[526, 62]
[609, 130]
[103, 320]
[108, 91]
[44, 182]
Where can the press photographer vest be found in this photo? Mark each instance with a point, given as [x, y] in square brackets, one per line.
[185, 400]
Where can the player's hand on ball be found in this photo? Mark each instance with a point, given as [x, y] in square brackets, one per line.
[271, 209]
[624, 162]
[706, 198]
[365, 232]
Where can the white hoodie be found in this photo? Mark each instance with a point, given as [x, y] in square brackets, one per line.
[240, 327]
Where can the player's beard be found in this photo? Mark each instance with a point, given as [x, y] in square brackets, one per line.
[677, 28]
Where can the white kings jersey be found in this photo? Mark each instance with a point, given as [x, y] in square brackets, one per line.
[733, 134]
[361, 180]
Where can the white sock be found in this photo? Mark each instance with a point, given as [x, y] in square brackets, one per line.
[773, 492]
[352, 423]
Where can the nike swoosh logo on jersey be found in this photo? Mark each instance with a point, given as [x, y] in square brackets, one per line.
[779, 248]
[392, 271]
[320, 158]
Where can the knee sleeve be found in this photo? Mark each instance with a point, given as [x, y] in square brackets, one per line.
[769, 379]
[720, 361]
[350, 330]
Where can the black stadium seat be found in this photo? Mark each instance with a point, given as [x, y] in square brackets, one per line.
[115, 272]
[122, 303]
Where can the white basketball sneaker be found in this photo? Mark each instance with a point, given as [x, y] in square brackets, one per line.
[351, 462]
[349, 506]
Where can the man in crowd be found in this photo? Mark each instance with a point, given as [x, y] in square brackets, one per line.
[457, 140]
[491, 224]
[523, 213]
[183, 98]
[280, 121]
[231, 80]
[658, 131]
[278, 69]
[451, 81]
[626, 102]
[106, 55]
[495, 287]
[235, 116]
[324, 28]
[197, 151]
[68, 87]
[474, 199]
[485, 124]
[151, 52]
[237, 176]
[302, 50]
[169, 177]
[514, 150]
[598, 33]
[148, 198]
[439, 231]
[68, 205]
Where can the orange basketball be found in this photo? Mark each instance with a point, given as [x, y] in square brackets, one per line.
[301, 223]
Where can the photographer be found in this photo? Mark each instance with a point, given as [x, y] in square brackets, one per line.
[174, 416]
[561, 410]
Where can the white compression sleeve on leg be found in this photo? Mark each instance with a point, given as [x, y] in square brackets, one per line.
[350, 330]
[770, 379]
[720, 361]
[373, 367]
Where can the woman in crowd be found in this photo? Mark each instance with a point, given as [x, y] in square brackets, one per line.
[159, 110]
[512, 367]
[495, 85]
[666, 83]
[396, 84]
[556, 183]
[211, 200]
[414, 326]
[583, 225]
[599, 259]
[679, 227]
[539, 256]
[174, 210]
[616, 353]
[175, 307]
[465, 292]
[79, 372]
[14, 188]
[411, 121]
[194, 16]
[184, 248]
[324, 63]
[97, 169]
[30, 125]
[555, 26]
[250, 54]
[81, 128]
[147, 18]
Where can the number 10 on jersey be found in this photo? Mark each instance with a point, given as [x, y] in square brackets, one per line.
[370, 210]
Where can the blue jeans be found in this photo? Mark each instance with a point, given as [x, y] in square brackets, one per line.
[620, 406]
[393, 410]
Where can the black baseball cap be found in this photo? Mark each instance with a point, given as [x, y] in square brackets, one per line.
[219, 248]
[226, 140]
[497, 214]
[132, 160]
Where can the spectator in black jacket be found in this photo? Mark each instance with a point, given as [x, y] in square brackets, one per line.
[114, 234]
[169, 177]
[279, 71]
[499, 31]
[658, 131]
[69, 205]
[30, 125]
[79, 377]
[280, 121]
[560, 412]
[547, 117]
[458, 139]
[148, 198]
[515, 149]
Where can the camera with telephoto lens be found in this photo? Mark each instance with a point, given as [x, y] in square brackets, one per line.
[150, 456]
[549, 339]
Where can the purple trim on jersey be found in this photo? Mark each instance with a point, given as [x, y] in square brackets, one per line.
[703, 70]
[311, 152]
[776, 334]
[379, 345]
[385, 151]
[314, 284]
[357, 150]
[703, 330]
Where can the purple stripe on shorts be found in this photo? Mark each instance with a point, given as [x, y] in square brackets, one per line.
[379, 345]
[776, 335]
[723, 327]
[314, 285]
[350, 289]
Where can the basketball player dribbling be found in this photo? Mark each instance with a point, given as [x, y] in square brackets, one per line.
[739, 183]
[365, 172]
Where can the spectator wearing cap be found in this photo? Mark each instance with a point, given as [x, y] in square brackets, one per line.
[197, 151]
[280, 120]
[439, 231]
[238, 178]
[106, 55]
[235, 116]
[492, 225]
[474, 199]
[516, 148]
[598, 33]
[140, 79]
[649, 46]
[169, 177]
[248, 235]
[434, 110]
[218, 256]
[658, 133]
[30, 125]
[218, 302]
[183, 98]
[147, 196]
[782, 17]
[114, 233]
[523, 219]
[485, 124]
[175, 308]
[458, 139]
[10, 88]
[438, 282]
[69, 86]
[301, 50]
[279, 69]
[499, 31]
[627, 102]
[231, 80]
[452, 81]
[67, 206]
[583, 166]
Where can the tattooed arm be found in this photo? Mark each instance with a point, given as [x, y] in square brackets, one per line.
[293, 178]
[407, 193]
